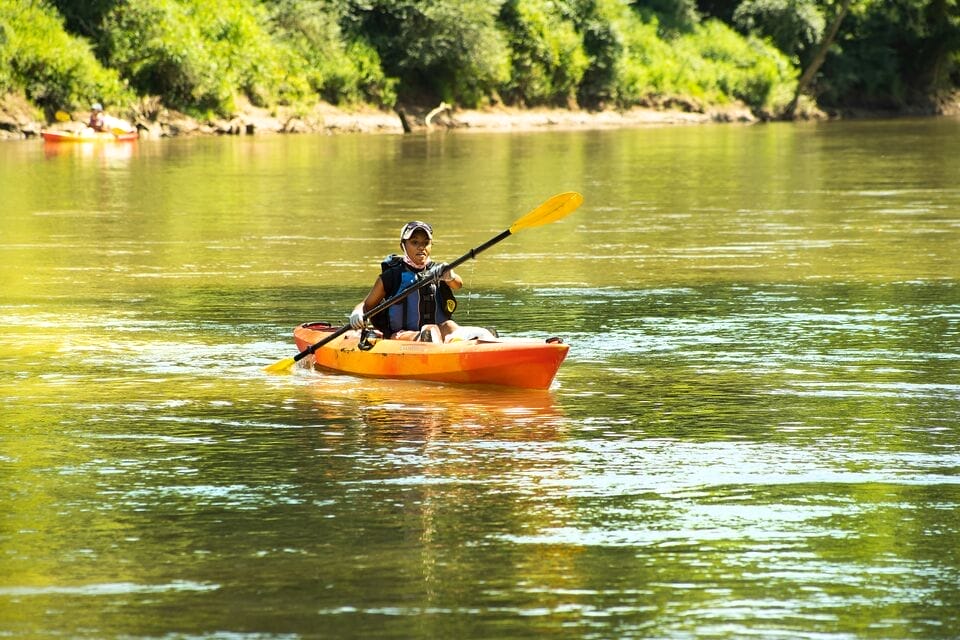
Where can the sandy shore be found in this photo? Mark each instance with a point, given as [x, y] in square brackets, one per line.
[331, 120]
[511, 119]
[18, 120]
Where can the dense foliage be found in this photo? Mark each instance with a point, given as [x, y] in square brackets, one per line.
[887, 54]
[51, 66]
[201, 57]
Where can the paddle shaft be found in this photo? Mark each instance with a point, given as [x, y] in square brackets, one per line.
[402, 295]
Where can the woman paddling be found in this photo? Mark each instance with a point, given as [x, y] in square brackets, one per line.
[426, 314]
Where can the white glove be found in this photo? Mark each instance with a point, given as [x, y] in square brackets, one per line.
[440, 272]
[356, 319]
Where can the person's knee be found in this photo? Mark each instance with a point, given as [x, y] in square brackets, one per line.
[470, 333]
[430, 333]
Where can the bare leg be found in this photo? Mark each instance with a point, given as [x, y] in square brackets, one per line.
[427, 333]
[470, 333]
[446, 329]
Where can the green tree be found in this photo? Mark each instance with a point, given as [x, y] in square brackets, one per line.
[673, 16]
[199, 56]
[604, 46]
[867, 53]
[52, 68]
[892, 54]
[632, 63]
[722, 10]
[819, 55]
[794, 26]
[85, 17]
[341, 71]
[447, 50]
[546, 53]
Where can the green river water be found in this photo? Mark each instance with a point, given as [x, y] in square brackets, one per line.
[756, 432]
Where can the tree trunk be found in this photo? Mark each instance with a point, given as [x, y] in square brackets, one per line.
[818, 57]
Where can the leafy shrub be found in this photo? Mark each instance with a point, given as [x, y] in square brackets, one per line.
[639, 66]
[604, 45]
[198, 54]
[84, 17]
[748, 69]
[340, 71]
[158, 45]
[672, 16]
[793, 25]
[54, 69]
[712, 64]
[451, 49]
[547, 56]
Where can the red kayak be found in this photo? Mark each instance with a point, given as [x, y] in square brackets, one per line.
[89, 135]
[512, 362]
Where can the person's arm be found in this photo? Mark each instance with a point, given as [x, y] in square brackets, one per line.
[453, 279]
[438, 270]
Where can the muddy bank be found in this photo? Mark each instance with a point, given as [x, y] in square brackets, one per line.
[19, 120]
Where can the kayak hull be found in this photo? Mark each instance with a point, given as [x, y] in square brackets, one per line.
[530, 364]
[88, 136]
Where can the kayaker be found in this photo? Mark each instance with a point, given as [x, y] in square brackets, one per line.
[425, 314]
[97, 121]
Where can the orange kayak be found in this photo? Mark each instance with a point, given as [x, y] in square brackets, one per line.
[512, 362]
[88, 135]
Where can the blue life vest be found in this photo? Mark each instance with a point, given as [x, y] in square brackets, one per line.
[432, 304]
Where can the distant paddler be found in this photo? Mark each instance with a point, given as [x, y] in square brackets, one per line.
[102, 122]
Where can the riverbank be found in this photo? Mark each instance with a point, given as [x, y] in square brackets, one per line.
[19, 120]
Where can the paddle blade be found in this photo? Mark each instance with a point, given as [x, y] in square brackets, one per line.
[280, 367]
[62, 116]
[557, 207]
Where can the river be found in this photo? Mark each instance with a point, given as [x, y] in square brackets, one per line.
[756, 431]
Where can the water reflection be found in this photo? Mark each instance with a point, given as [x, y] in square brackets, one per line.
[755, 432]
[106, 154]
[425, 412]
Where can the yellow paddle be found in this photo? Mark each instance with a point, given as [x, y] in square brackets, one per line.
[557, 207]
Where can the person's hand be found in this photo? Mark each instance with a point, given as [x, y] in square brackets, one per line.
[439, 272]
[356, 319]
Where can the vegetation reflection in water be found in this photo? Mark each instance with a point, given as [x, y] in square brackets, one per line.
[754, 433]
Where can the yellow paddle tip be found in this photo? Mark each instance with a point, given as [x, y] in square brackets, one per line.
[282, 366]
[557, 207]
